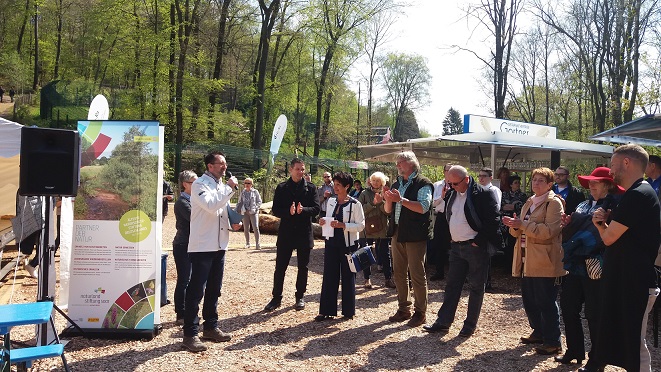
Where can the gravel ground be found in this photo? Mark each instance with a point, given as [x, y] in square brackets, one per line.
[291, 341]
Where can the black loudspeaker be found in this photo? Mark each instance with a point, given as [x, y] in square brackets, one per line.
[49, 162]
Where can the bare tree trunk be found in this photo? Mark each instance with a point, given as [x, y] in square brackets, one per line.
[186, 19]
[195, 106]
[154, 84]
[58, 43]
[269, 15]
[35, 81]
[171, 69]
[21, 32]
[220, 50]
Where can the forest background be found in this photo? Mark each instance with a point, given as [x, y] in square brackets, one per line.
[217, 73]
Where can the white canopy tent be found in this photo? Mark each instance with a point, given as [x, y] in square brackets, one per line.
[643, 131]
[514, 151]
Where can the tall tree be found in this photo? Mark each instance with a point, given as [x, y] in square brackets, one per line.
[406, 79]
[499, 17]
[606, 37]
[339, 19]
[452, 123]
[269, 15]
[221, 46]
[378, 33]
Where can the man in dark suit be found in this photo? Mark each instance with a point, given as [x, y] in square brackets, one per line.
[473, 218]
[295, 202]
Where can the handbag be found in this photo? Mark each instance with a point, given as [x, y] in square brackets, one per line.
[373, 224]
[593, 266]
[360, 259]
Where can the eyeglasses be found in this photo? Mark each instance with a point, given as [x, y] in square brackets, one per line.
[561, 174]
[247, 183]
[455, 184]
[326, 176]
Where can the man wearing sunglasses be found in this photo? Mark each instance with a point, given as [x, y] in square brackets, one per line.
[563, 187]
[324, 192]
[472, 214]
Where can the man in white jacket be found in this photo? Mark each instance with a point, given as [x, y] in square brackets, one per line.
[209, 237]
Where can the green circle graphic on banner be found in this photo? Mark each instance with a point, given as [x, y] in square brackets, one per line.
[135, 225]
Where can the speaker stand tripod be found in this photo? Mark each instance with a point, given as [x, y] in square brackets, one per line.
[46, 252]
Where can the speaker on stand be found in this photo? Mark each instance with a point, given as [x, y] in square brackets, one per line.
[50, 162]
[49, 167]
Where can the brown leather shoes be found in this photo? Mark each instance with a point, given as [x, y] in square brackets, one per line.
[548, 349]
[532, 339]
[400, 316]
[417, 319]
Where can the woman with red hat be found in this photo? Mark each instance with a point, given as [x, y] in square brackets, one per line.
[583, 250]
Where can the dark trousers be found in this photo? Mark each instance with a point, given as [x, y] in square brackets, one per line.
[438, 248]
[183, 265]
[282, 257]
[164, 282]
[382, 247]
[466, 262]
[539, 301]
[336, 266]
[577, 290]
[27, 247]
[207, 270]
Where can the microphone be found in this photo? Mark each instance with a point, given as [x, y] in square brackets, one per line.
[229, 175]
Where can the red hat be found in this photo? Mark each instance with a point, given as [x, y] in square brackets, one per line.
[599, 174]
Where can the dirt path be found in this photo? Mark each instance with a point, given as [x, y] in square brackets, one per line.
[6, 108]
[105, 206]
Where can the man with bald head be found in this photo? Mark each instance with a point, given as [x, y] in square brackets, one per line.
[472, 212]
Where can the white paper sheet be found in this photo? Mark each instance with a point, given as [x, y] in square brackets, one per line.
[326, 230]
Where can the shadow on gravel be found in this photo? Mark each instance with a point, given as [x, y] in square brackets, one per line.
[284, 335]
[343, 342]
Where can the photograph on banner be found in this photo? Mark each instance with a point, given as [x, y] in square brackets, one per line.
[116, 249]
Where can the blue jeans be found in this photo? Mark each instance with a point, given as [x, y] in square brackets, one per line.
[182, 262]
[207, 270]
[539, 301]
[466, 261]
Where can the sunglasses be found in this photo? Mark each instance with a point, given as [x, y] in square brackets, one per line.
[247, 183]
[454, 184]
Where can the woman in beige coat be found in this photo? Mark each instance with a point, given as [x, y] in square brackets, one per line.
[538, 261]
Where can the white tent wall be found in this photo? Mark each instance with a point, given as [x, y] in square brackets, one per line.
[10, 149]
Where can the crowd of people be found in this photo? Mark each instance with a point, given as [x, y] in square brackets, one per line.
[597, 252]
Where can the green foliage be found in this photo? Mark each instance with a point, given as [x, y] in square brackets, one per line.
[15, 72]
[132, 173]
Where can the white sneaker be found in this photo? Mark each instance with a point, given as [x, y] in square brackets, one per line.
[258, 246]
[32, 271]
[247, 246]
